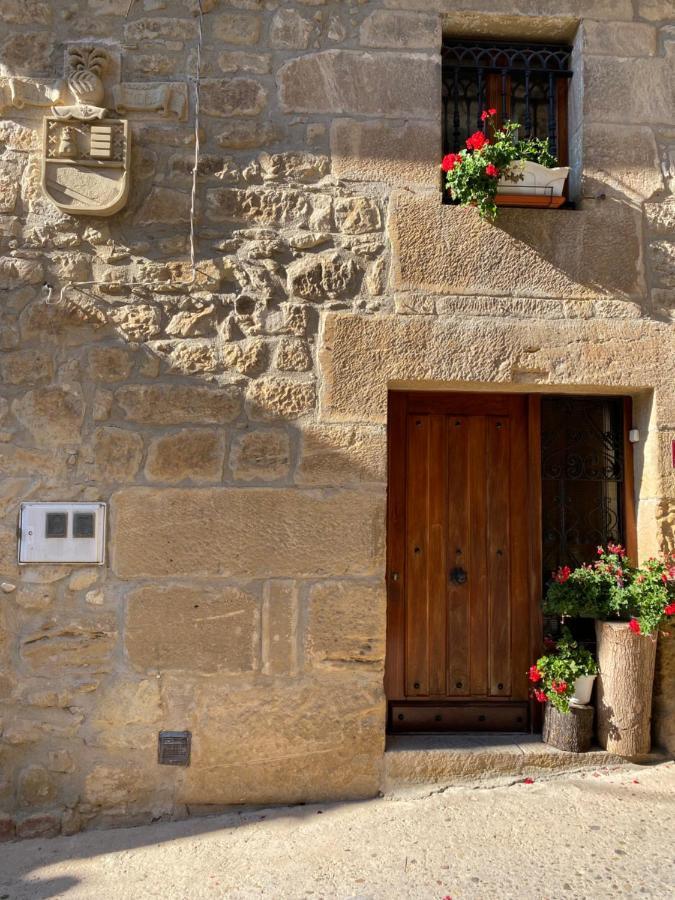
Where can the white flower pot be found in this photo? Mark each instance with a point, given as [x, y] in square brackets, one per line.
[529, 178]
[583, 688]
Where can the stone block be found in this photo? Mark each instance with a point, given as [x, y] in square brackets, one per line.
[293, 166]
[194, 629]
[496, 10]
[35, 786]
[190, 455]
[562, 253]
[404, 30]
[225, 97]
[117, 454]
[279, 628]
[293, 355]
[362, 355]
[618, 38]
[357, 215]
[109, 363]
[26, 367]
[289, 30]
[168, 404]
[333, 455]
[53, 415]
[137, 321]
[656, 10]
[235, 28]
[40, 825]
[164, 206]
[386, 85]
[245, 533]
[323, 276]
[244, 134]
[108, 786]
[346, 624]
[263, 454]
[628, 91]
[25, 12]
[393, 153]
[661, 216]
[300, 740]
[270, 207]
[28, 53]
[662, 257]
[84, 644]
[275, 397]
[623, 158]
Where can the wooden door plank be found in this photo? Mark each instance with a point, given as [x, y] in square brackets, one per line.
[396, 496]
[477, 571]
[522, 600]
[499, 551]
[458, 555]
[536, 586]
[437, 579]
[417, 556]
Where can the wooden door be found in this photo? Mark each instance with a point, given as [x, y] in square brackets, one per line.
[459, 563]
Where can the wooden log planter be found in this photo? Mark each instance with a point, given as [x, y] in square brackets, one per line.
[572, 731]
[624, 688]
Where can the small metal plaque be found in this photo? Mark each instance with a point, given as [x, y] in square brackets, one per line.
[83, 525]
[174, 748]
[57, 525]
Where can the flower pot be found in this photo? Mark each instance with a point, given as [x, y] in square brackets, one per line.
[583, 688]
[531, 179]
[624, 696]
[572, 731]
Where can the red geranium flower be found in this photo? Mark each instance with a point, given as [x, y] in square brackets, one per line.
[477, 141]
[492, 170]
[670, 609]
[634, 626]
[563, 574]
[450, 161]
[534, 674]
[616, 548]
[559, 686]
[540, 696]
[487, 113]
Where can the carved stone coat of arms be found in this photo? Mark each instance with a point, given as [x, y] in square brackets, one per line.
[85, 162]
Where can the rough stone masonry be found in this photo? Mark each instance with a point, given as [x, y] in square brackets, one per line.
[234, 417]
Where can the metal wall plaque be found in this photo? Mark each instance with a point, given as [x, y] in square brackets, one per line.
[62, 533]
[174, 748]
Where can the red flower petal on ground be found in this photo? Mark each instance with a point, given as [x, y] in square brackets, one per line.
[634, 626]
[450, 161]
[528, 780]
[477, 141]
[670, 609]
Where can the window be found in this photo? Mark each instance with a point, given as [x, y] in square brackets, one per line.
[526, 83]
[583, 470]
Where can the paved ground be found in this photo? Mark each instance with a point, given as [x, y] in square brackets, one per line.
[598, 835]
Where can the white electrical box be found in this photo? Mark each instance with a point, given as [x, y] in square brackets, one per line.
[62, 533]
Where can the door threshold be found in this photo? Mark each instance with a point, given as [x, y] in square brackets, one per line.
[464, 758]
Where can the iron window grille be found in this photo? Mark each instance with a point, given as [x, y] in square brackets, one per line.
[526, 83]
[582, 470]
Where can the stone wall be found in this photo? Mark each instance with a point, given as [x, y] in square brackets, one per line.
[234, 415]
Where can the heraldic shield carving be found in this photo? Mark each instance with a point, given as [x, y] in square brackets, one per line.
[85, 162]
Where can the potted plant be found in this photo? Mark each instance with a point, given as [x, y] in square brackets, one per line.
[563, 680]
[497, 165]
[628, 603]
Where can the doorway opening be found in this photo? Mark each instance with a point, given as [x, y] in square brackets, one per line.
[487, 494]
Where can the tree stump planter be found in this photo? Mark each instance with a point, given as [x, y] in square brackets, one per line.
[572, 731]
[624, 688]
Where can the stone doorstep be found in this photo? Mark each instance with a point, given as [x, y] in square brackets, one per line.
[462, 758]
